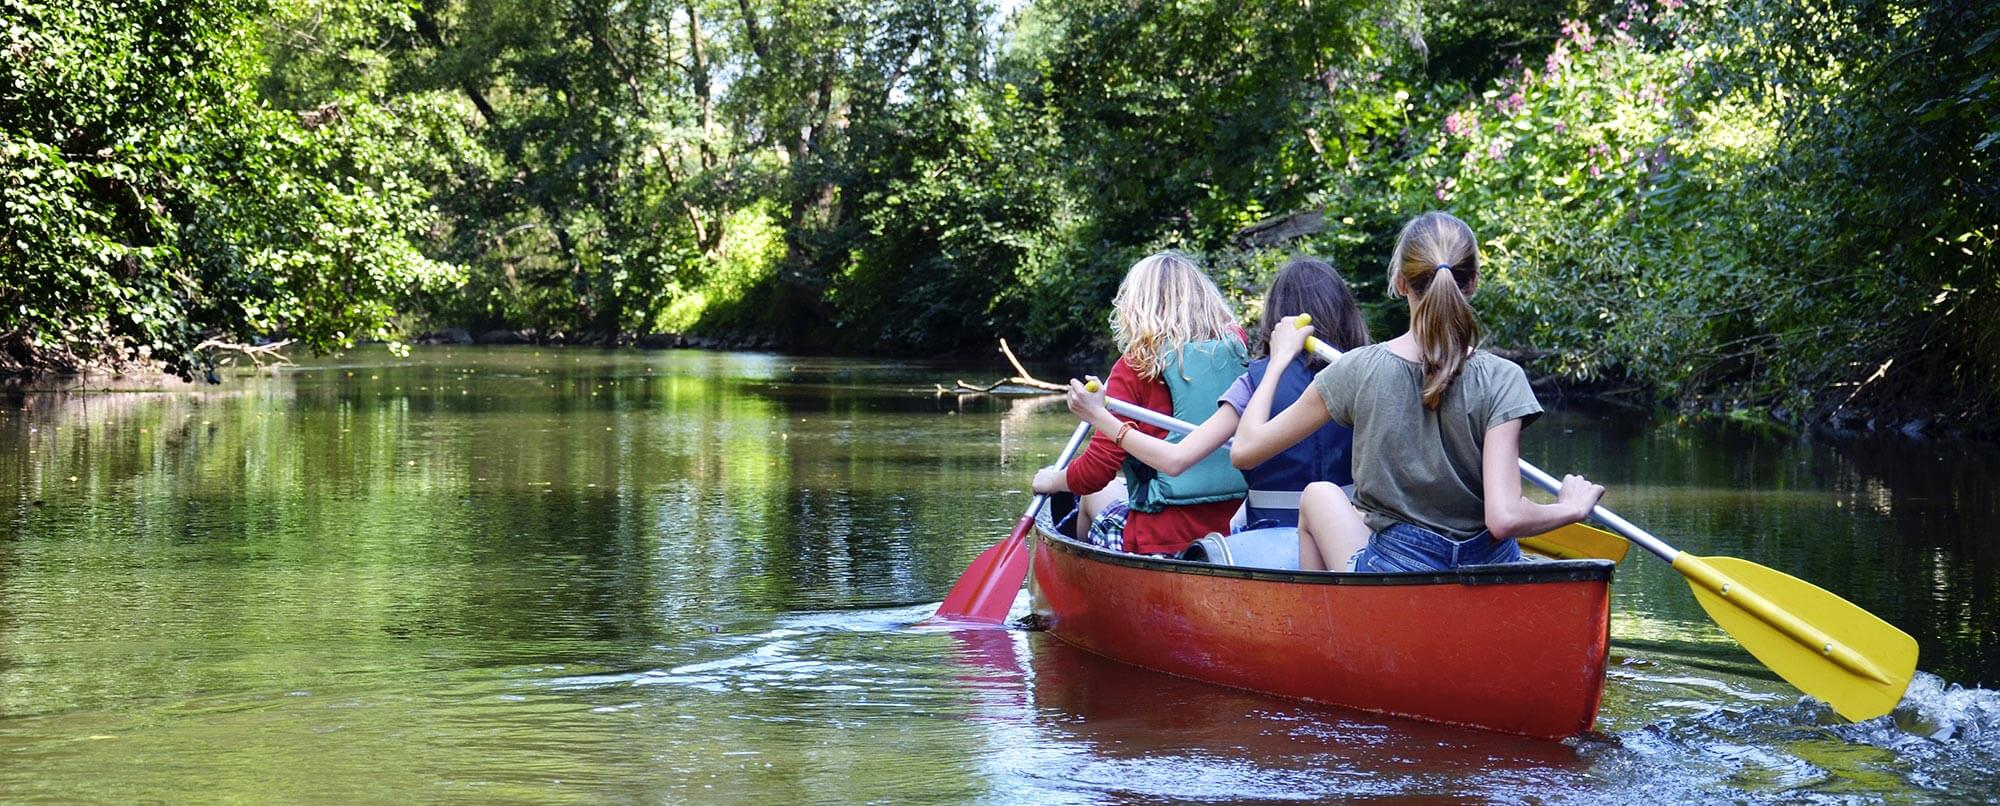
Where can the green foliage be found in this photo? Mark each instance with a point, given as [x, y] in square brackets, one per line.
[909, 186]
[752, 247]
[1173, 124]
[1717, 204]
[1889, 171]
[954, 205]
[152, 202]
[1773, 204]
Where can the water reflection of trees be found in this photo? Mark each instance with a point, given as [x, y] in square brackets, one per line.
[1897, 526]
[1932, 505]
[519, 498]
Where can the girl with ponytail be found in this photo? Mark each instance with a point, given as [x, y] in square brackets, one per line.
[1437, 428]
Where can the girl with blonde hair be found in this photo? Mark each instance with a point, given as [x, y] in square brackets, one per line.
[1437, 429]
[1179, 349]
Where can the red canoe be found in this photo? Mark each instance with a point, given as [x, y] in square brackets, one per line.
[1515, 648]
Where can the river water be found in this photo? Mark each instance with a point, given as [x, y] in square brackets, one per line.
[570, 575]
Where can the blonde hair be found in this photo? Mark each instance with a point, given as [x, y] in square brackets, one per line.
[1438, 260]
[1163, 304]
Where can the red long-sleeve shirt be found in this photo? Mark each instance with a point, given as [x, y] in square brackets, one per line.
[1171, 529]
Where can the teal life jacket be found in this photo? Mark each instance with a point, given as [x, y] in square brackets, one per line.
[1196, 376]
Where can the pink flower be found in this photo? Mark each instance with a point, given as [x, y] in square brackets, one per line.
[1561, 127]
[1596, 172]
[1578, 31]
[1558, 59]
[1455, 125]
[1495, 150]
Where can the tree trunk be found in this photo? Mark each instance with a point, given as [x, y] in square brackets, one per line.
[709, 236]
[428, 28]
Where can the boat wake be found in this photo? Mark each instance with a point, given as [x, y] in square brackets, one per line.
[1035, 715]
[787, 653]
[1943, 739]
[1940, 712]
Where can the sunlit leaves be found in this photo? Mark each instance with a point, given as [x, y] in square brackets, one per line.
[153, 200]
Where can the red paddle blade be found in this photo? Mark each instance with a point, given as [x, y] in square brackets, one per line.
[985, 592]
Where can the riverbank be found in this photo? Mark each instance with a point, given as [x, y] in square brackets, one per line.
[1830, 415]
[24, 368]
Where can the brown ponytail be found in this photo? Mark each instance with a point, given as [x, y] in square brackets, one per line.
[1437, 260]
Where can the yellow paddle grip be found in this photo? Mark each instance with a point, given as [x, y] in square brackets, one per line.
[1312, 342]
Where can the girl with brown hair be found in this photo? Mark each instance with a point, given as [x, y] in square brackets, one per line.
[1305, 285]
[1437, 428]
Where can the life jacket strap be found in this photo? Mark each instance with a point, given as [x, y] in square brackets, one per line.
[1273, 499]
[1284, 499]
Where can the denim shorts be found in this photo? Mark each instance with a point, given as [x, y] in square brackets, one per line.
[1403, 547]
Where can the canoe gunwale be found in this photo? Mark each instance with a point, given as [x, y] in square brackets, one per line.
[1506, 574]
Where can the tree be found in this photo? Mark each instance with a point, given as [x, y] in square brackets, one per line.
[152, 202]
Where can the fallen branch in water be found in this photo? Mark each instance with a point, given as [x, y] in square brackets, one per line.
[257, 353]
[1021, 378]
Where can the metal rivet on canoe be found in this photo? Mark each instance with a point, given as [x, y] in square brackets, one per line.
[1828, 649]
[1725, 589]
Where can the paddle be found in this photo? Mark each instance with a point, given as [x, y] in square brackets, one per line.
[985, 592]
[1825, 645]
[1578, 541]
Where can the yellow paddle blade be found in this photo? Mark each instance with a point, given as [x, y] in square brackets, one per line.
[1819, 642]
[1578, 542]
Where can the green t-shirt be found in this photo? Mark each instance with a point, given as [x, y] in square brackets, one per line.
[1416, 466]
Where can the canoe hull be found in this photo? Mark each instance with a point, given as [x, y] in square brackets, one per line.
[1519, 649]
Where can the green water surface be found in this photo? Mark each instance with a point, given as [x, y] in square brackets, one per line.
[551, 575]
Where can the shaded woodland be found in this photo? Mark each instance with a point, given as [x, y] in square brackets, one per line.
[1783, 207]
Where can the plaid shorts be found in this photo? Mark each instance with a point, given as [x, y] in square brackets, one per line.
[1108, 531]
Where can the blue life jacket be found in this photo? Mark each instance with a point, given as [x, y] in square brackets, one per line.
[1196, 375]
[1322, 456]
